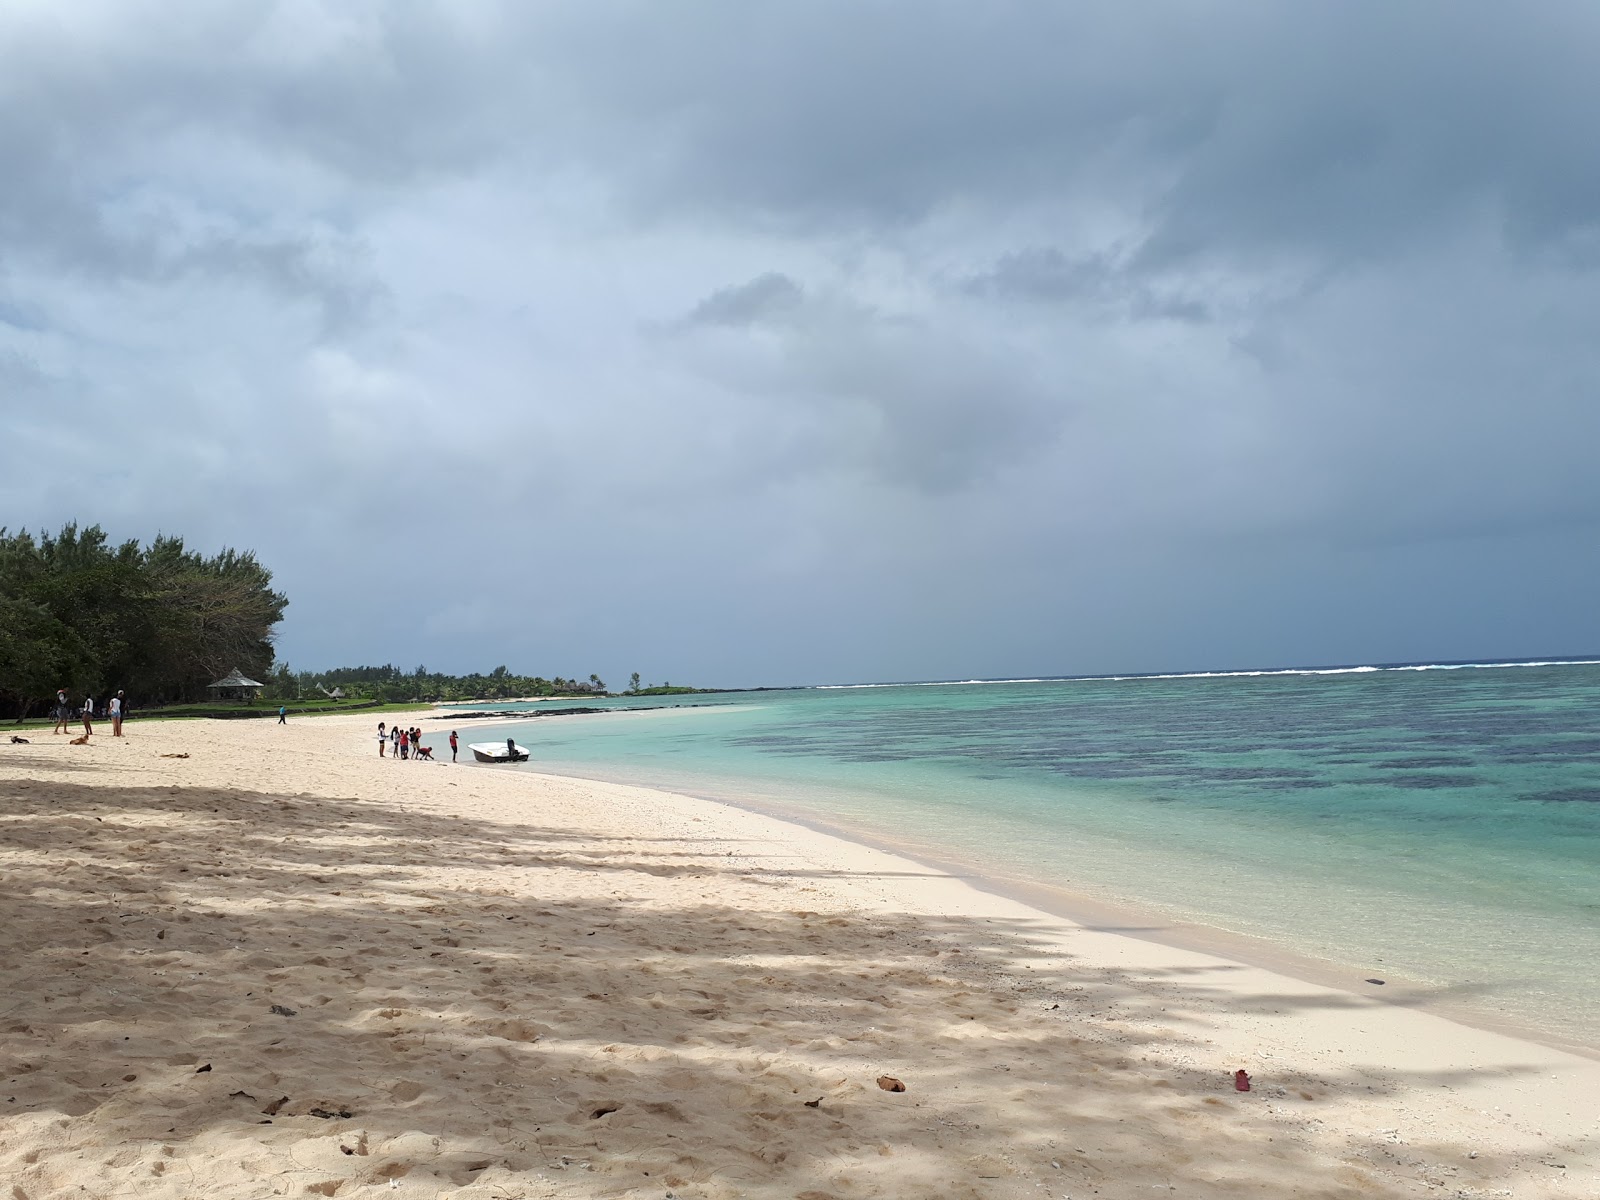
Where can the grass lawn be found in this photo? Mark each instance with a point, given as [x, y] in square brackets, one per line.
[262, 709]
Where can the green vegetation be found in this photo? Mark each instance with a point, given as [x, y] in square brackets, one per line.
[162, 622]
[390, 685]
[158, 621]
[232, 708]
[393, 686]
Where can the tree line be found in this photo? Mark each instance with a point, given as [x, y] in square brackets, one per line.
[158, 621]
[391, 685]
[161, 622]
[394, 686]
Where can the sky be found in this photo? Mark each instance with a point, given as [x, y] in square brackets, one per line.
[821, 341]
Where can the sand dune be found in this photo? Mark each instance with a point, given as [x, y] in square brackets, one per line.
[282, 966]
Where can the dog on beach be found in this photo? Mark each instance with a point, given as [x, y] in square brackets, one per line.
[81, 740]
[19, 741]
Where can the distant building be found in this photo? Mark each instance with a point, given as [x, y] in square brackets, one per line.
[234, 686]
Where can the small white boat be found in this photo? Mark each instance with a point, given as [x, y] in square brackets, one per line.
[500, 752]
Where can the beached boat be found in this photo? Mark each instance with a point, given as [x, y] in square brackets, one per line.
[506, 751]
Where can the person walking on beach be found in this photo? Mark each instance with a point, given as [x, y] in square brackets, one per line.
[394, 741]
[405, 745]
[452, 745]
[63, 712]
[114, 711]
[88, 716]
[283, 714]
[383, 738]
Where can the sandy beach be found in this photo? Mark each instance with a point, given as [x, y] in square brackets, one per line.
[278, 965]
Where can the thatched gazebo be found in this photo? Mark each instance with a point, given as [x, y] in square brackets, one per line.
[234, 686]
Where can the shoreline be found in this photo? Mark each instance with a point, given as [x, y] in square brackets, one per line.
[1141, 921]
[1117, 917]
[1148, 923]
[430, 928]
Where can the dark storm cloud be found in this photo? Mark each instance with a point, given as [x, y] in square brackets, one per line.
[148, 144]
[1332, 127]
[1330, 124]
[966, 338]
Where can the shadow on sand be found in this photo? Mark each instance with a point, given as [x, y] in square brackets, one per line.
[177, 961]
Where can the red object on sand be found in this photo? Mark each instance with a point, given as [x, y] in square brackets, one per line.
[1241, 1081]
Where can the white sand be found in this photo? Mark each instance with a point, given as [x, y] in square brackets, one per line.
[520, 986]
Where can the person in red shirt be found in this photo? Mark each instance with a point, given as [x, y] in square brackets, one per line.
[452, 745]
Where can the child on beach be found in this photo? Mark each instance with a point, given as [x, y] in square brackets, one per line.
[88, 716]
[383, 737]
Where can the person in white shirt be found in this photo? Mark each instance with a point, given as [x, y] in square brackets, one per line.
[114, 710]
[88, 716]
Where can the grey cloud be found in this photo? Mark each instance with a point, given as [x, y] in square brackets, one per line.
[145, 146]
[20, 378]
[337, 279]
[940, 417]
[763, 298]
[1335, 131]
[365, 92]
[1042, 273]
[809, 311]
[898, 399]
[1045, 274]
[22, 316]
[85, 231]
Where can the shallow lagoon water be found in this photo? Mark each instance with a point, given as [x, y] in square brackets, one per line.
[1442, 825]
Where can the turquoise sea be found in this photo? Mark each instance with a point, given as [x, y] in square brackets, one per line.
[1437, 826]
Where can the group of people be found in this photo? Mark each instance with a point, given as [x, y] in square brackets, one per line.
[116, 709]
[407, 743]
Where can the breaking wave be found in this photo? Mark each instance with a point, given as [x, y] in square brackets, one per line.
[1364, 669]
